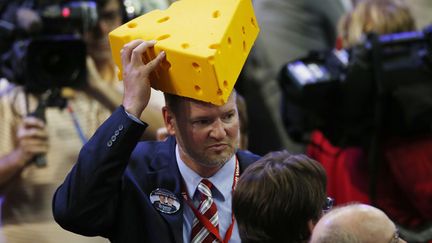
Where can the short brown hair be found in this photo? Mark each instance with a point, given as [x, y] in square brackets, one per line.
[173, 101]
[277, 196]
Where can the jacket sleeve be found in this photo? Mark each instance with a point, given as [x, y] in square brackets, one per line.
[86, 202]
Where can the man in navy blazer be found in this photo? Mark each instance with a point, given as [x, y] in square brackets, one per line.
[130, 191]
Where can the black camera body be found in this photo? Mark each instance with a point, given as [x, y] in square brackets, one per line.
[383, 86]
[43, 49]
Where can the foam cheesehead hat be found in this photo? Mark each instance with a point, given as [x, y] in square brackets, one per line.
[206, 44]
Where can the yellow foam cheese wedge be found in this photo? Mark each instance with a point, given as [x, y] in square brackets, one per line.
[206, 44]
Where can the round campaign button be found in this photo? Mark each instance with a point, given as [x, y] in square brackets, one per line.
[164, 201]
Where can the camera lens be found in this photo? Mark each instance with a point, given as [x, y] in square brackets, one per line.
[56, 62]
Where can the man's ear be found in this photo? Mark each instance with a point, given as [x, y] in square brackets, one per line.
[169, 120]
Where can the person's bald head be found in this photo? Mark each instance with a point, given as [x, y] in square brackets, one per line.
[355, 223]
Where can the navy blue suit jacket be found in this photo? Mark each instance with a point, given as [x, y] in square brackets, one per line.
[107, 191]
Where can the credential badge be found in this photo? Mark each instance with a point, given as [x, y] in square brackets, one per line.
[164, 201]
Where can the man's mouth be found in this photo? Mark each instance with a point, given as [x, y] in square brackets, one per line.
[218, 146]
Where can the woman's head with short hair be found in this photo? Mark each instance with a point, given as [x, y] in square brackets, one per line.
[278, 197]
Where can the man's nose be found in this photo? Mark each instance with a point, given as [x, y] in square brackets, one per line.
[218, 130]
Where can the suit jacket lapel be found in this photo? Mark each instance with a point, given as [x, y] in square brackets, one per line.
[245, 159]
[166, 175]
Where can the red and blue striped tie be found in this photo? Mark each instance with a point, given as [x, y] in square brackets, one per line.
[207, 208]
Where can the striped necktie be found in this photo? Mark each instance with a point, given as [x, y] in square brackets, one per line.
[207, 208]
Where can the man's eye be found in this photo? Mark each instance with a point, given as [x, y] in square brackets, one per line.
[229, 116]
[201, 122]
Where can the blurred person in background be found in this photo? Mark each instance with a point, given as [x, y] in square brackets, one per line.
[403, 187]
[288, 29]
[26, 190]
[103, 82]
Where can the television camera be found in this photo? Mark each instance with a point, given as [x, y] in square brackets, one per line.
[41, 44]
[383, 86]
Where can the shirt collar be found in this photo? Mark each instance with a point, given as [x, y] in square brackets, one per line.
[222, 180]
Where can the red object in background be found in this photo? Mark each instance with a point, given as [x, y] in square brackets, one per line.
[339, 43]
[347, 179]
[66, 12]
[410, 162]
[404, 182]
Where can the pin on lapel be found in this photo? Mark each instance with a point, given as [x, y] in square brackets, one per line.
[164, 201]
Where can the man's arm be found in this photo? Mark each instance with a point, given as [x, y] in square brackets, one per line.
[111, 96]
[86, 202]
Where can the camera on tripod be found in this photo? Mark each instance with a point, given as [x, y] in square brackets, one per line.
[41, 46]
[382, 86]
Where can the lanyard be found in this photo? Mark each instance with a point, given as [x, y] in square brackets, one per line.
[76, 123]
[207, 224]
